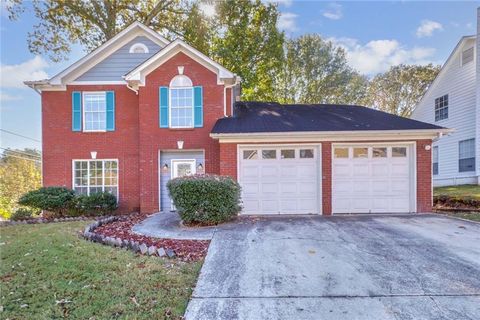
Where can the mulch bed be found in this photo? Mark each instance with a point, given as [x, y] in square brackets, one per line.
[185, 250]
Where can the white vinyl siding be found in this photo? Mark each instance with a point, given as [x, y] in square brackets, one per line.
[90, 176]
[459, 82]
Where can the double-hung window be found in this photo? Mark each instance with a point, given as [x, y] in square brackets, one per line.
[441, 108]
[466, 155]
[181, 102]
[91, 176]
[94, 111]
[435, 160]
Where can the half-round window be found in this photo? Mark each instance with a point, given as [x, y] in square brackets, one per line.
[138, 48]
[181, 81]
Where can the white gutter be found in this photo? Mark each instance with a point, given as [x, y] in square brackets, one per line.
[225, 96]
[307, 136]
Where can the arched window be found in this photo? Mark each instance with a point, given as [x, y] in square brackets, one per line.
[181, 102]
[138, 48]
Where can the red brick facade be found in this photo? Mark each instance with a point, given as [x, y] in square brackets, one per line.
[138, 139]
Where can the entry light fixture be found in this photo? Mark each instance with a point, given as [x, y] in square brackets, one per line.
[165, 167]
[428, 147]
[200, 167]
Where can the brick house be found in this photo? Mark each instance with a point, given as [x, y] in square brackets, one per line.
[140, 110]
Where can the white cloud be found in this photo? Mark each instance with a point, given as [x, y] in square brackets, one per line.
[7, 97]
[334, 12]
[12, 76]
[379, 55]
[208, 9]
[427, 28]
[287, 22]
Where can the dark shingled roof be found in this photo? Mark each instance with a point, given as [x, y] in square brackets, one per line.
[257, 117]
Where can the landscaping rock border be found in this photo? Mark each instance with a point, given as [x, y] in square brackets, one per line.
[108, 234]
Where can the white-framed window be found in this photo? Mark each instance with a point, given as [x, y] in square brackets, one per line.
[466, 155]
[90, 176]
[138, 48]
[441, 108]
[94, 111]
[181, 102]
[435, 160]
[467, 56]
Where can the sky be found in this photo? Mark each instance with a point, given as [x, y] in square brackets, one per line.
[375, 35]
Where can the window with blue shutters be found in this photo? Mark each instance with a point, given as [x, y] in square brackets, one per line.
[181, 104]
[93, 111]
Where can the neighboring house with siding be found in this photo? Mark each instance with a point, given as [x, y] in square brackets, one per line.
[141, 110]
[453, 101]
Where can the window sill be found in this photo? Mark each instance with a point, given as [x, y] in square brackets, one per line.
[94, 131]
[182, 129]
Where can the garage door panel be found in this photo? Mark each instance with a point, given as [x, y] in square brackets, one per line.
[307, 206]
[249, 172]
[361, 169]
[268, 188]
[377, 183]
[250, 188]
[269, 206]
[251, 205]
[268, 171]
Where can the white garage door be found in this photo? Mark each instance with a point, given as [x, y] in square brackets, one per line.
[280, 179]
[371, 179]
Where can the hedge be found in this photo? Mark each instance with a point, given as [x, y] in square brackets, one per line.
[205, 199]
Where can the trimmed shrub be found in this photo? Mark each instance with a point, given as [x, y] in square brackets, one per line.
[22, 214]
[99, 204]
[205, 199]
[57, 200]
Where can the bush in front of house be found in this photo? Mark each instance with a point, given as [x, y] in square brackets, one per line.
[444, 201]
[56, 200]
[99, 204]
[205, 199]
[22, 214]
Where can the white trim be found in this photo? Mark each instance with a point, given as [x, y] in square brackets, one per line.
[317, 136]
[137, 45]
[108, 82]
[319, 163]
[98, 55]
[411, 154]
[103, 174]
[83, 111]
[138, 74]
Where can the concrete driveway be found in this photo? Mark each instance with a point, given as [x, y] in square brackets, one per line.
[352, 267]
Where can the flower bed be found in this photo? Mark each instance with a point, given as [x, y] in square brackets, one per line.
[117, 231]
[447, 203]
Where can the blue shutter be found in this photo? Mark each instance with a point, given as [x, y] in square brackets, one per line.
[198, 106]
[163, 106]
[76, 111]
[110, 95]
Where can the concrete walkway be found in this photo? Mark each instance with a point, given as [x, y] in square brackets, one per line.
[351, 267]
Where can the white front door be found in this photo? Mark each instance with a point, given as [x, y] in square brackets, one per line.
[182, 168]
[372, 179]
[280, 179]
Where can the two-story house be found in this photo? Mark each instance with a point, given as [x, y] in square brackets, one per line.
[140, 110]
[453, 101]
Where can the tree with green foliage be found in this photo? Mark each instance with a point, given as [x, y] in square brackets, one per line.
[248, 43]
[92, 22]
[316, 71]
[19, 173]
[399, 89]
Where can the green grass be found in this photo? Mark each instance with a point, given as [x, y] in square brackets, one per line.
[466, 191]
[45, 263]
[474, 216]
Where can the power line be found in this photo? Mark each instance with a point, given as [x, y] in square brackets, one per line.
[22, 153]
[19, 135]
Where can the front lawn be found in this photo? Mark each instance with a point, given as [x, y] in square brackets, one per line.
[48, 272]
[474, 216]
[468, 191]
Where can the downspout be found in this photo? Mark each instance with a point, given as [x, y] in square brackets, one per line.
[225, 96]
